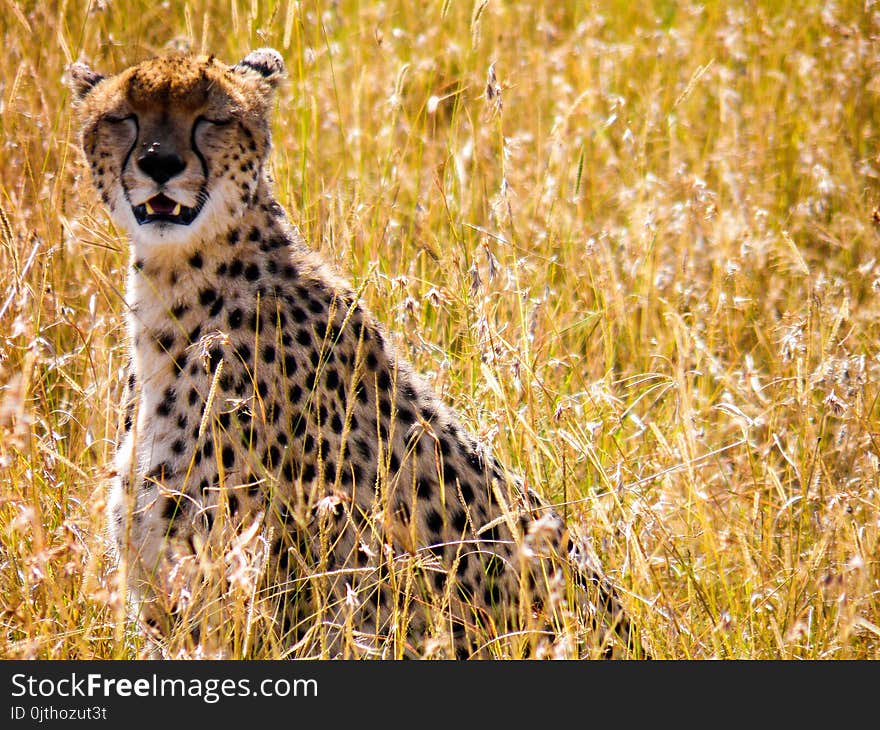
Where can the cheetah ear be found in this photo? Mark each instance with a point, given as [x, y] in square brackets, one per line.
[265, 61]
[81, 79]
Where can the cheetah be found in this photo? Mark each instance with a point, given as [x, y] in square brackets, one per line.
[272, 437]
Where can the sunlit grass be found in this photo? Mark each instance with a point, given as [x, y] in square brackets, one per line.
[631, 242]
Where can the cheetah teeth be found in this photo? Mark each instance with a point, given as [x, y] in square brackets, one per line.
[151, 211]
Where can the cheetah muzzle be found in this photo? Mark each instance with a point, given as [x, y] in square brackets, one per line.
[277, 458]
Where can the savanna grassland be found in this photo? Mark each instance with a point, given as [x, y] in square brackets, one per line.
[633, 243]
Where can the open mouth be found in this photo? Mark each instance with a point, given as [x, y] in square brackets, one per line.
[162, 208]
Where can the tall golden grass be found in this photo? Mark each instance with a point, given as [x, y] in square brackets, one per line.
[631, 242]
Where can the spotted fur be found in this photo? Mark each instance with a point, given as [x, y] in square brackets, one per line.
[264, 400]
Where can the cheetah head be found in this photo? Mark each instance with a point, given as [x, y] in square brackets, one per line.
[177, 144]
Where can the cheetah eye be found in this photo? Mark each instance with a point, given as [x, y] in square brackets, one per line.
[123, 127]
[215, 122]
[120, 120]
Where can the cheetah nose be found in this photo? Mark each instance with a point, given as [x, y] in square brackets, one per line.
[161, 167]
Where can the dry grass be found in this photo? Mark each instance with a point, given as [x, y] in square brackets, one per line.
[631, 242]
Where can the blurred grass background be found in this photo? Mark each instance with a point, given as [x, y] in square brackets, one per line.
[632, 243]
